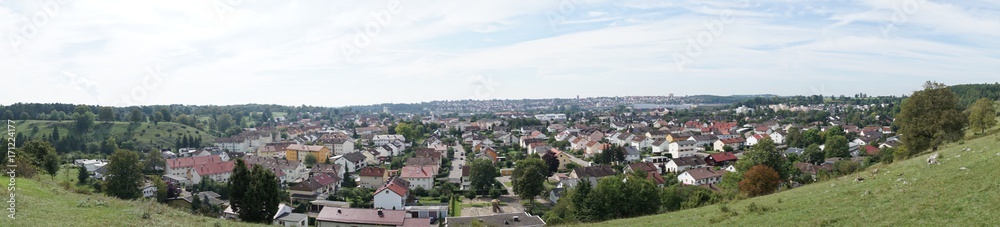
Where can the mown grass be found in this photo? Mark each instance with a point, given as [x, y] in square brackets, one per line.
[162, 134]
[43, 202]
[961, 191]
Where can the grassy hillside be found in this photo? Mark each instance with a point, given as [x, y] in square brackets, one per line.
[961, 191]
[144, 135]
[41, 202]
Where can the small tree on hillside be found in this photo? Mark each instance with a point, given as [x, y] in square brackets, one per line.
[759, 180]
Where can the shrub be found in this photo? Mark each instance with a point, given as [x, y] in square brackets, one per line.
[759, 180]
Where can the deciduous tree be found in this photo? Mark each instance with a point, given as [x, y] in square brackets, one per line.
[124, 175]
[929, 118]
[528, 179]
[982, 115]
[759, 180]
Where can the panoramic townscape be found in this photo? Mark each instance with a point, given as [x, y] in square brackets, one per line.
[399, 113]
[539, 162]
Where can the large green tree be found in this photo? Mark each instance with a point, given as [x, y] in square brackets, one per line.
[137, 116]
[106, 114]
[623, 197]
[812, 154]
[794, 137]
[255, 193]
[982, 115]
[528, 179]
[154, 159]
[929, 118]
[124, 175]
[811, 136]
[482, 175]
[763, 153]
[837, 146]
[41, 155]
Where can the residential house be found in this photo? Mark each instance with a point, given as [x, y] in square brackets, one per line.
[380, 140]
[317, 187]
[674, 137]
[285, 217]
[684, 163]
[296, 152]
[340, 146]
[703, 140]
[392, 195]
[753, 140]
[735, 143]
[293, 171]
[419, 176]
[335, 216]
[700, 176]
[561, 156]
[352, 162]
[372, 177]
[640, 142]
[721, 159]
[598, 171]
[632, 154]
[682, 148]
[659, 146]
[778, 137]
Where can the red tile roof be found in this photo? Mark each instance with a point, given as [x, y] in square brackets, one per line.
[192, 161]
[871, 150]
[215, 168]
[418, 171]
[724, 157]
[372, 172]
[399, 186]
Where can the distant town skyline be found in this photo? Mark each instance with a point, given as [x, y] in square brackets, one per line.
[344, 53]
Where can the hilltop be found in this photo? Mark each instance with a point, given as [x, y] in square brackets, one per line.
[961, 191]
[42, 202]
[144, 136]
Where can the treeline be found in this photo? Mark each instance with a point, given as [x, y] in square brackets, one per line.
[969, 93]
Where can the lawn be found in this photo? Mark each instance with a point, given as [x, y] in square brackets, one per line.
[961, 191]
[42, 202]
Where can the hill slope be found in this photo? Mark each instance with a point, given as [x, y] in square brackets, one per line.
[40, 202]
[961, 191]
[145, 135]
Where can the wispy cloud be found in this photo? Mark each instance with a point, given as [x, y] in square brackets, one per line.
[292, 52]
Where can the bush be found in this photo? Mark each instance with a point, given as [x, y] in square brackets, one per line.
[470, 194]
[419, 191]
[495, 193]
[759, 180]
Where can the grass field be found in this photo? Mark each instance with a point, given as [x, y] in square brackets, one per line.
[42, 202]
[961, 191]
[148, 135]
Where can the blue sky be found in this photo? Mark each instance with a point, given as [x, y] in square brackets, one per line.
[336, 53]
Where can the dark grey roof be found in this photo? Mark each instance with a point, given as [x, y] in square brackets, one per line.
[630, 150]
[688, 161]
[595, 171]
[354, 157]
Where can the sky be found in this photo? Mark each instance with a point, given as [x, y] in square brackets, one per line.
[338, 53]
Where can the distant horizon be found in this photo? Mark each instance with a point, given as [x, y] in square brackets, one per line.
[497, 99]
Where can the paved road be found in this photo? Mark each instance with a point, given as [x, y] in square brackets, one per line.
[581, 162]
[456, 165]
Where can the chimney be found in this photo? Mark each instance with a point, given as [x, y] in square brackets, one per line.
[380, 214]
[338, 211]
[517, 219]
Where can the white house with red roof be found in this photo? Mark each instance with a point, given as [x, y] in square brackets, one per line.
[753, 140]
[392, 196]
[419, 176]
